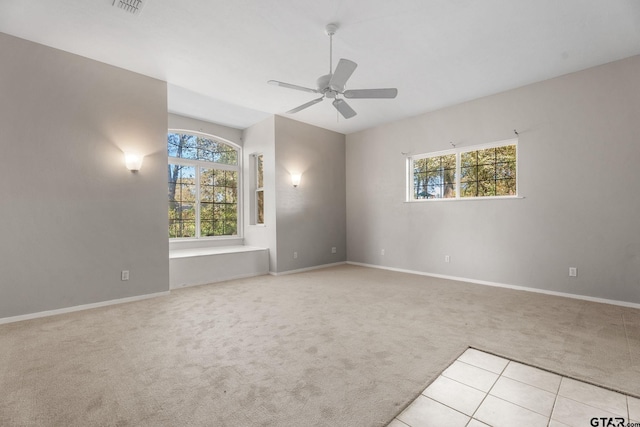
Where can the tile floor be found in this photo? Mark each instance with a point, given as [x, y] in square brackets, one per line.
[480, 389]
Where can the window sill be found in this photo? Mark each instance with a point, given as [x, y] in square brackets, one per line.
[465, 199]
[203, 239]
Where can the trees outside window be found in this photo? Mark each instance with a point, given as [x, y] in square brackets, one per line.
[434, 177]
[471, 172]
[203, 178]
[259, 186]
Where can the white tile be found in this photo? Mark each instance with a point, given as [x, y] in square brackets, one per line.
[424, 412]
[484, 360]
[471, 375]
[634, 408]
[397, 423]
[455, 395]
[591, 395]
[554, 423]
[577, 414]
[500, 413]
[476, 423]
[524, 395]
[533, 376]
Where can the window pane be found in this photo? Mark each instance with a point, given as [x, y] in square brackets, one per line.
[506, 153]
[260, 203]
[486, 172]
[182, 199]
[486, 188]
[469, 174]
[231, 219]
[468, 189]
[207, 227]
[468, 159]
[196, 147]
[506, 187]
[487, 156]
[260, 171]
[218, 202]
[420, 165]
[182, 229]
[505, 170]
[489, 172]
[433, 163]
[434, 177]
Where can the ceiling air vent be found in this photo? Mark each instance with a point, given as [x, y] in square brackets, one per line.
[132, 6]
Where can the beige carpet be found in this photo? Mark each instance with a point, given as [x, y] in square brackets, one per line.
[344, 346]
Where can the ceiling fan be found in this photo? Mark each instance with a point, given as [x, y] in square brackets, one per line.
[332, 85]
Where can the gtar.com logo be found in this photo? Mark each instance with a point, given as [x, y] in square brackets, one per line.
[608, 422]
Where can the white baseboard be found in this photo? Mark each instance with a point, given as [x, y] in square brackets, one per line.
[79, 308]
[300, 270]
[502, 285]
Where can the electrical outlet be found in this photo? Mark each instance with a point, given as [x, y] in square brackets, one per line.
[381, 251]
[447, 258]
[124, 276]
[573, 271]
[295, 255]
[334, 250]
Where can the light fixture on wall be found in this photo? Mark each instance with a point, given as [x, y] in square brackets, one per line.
[295, 179]
[133, 161]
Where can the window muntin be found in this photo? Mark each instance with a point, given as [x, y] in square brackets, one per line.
[489, 170]
[203, 186]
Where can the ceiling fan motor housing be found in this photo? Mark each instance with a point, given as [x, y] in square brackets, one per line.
[323, 86]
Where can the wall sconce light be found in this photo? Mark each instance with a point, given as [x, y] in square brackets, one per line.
[133, 161]
[295, 179]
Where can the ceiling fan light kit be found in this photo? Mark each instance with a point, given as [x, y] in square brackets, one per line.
[332, 85]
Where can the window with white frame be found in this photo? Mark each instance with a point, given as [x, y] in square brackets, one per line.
[203, 176]
[259, 189]
[488, 170]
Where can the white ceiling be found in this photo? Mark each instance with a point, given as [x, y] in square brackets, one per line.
[218, 55]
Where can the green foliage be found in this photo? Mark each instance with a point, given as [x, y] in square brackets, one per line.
[196, 147]
[435, 177]
[217, 200]
[486, 172]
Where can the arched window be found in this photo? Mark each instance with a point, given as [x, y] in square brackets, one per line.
[204, 176]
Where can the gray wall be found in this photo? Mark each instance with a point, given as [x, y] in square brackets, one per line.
[578, 166]
[73, 215]
[260, 138]
[311, 219]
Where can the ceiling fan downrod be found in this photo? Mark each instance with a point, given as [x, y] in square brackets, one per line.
[331, 29]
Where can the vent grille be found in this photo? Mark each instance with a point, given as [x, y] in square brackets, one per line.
[132, 6]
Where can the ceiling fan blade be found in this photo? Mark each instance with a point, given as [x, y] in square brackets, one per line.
[371, 93]
[344, 109]
[307, 105]
[343, 71]
[290, 86]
